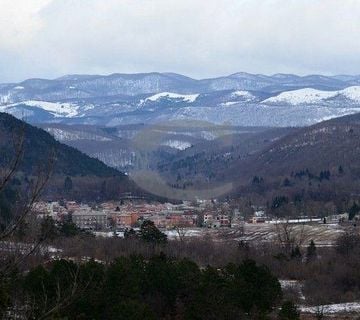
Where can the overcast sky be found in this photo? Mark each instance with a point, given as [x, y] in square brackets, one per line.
[199, 38]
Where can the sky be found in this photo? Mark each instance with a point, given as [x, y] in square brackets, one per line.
[198, 38]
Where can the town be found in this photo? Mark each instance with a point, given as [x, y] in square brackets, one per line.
[114, 218]
[126, 214]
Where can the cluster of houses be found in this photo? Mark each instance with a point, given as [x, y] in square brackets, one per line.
[116, 216]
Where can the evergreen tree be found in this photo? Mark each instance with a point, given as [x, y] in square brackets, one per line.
[156, 287]
[311, 251]
[150, 233]
[353, 211]
[69, 229]
[278, 201]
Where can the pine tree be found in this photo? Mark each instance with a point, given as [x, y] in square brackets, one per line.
[150, 233]
[353, 211]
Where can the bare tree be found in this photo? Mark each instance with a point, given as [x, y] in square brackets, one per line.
[15, 253]
[26, 205]
[181, 231]
[290, 235]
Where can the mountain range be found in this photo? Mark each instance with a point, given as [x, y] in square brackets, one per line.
[241, 99]
[198, 134]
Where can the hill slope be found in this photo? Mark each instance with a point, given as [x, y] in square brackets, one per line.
[326, 145]
[318, 163]
[38, 145]
[323, 146]
[91, 178]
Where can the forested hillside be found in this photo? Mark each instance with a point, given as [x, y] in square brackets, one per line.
[72, 173]
[38, 145]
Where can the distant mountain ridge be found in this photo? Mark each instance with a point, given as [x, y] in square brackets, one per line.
[240, 99]
[86, 86]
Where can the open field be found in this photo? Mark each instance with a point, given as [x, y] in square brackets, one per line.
[321, 234]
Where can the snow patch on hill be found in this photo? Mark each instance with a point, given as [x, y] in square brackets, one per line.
[242, 94]
[177, 144]
[170, 95]
[6, 98]
[229, 103]
[58, 109]
[313, 96]
[307, 95]
[63, 135]
[352, 93]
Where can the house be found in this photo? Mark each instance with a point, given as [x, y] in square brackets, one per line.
[72, 205]
[256, 219]
[224, 220]
[183, 220]
[339, 217]
[124, 219]
[216, 221]
[208, 219]
[90, 219]
[159, 220]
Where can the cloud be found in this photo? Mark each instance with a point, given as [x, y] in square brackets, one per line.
[19, 22]
[199, 38]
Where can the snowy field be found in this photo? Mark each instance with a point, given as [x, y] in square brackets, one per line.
[330, 309]
[324, 235]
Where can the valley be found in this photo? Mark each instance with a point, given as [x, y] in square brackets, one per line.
[219, 170]
[179, 160]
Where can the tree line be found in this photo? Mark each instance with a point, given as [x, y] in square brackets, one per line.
[133, 287]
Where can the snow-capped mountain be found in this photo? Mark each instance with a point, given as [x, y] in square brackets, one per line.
[313, 96]
[57, 109]
[91, 86]
[239, 99]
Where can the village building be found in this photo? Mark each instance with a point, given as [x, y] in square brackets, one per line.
[123, 220]
[224, 220]
[208, 219]
[90, 219]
